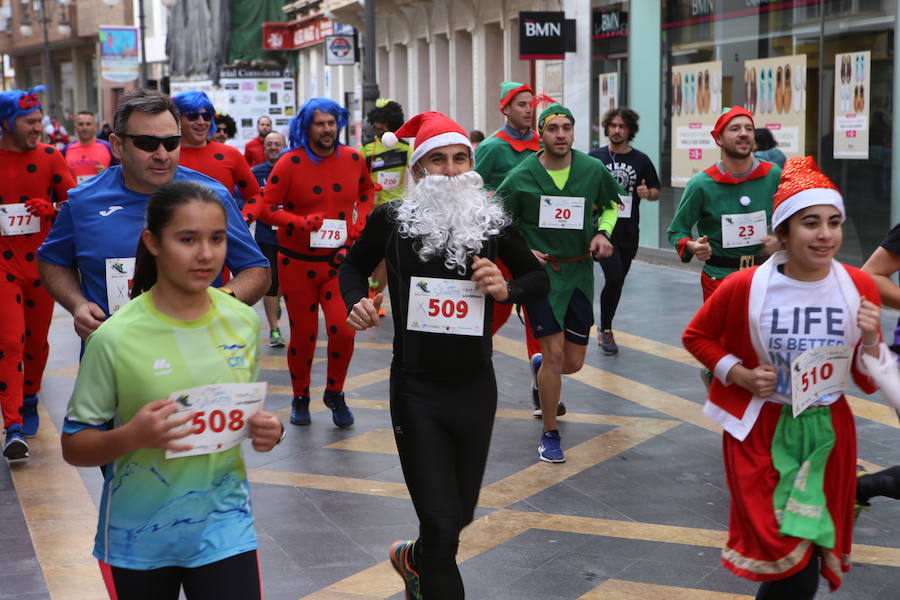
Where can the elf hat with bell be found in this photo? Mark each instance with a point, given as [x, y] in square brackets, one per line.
[431, 130]
[803, 185]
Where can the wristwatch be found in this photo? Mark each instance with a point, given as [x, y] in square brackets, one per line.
[283, 432]
[228, 291]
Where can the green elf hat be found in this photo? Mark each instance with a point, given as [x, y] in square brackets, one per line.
[554, 110]
[509, 89]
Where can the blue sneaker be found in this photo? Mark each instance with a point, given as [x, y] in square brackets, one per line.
[340, 413]
[16, 447]
[30, 418]
[399, 555]
[550, 449]
[300, 411]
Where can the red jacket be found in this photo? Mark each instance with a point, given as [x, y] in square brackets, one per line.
[727, 326]
[254, 153]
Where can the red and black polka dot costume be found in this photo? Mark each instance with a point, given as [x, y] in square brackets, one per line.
[26, 307]
[308, 193]
[227, 166]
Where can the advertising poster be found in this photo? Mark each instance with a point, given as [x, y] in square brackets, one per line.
[608, 93]
[119, 59]
[245, 95]
[775, 92]
[695, 102]
[851, 104]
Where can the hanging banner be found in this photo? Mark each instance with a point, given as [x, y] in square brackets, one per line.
[119, 56]
[608, 93]
[695, 103]
[775, 92]
[851, 105]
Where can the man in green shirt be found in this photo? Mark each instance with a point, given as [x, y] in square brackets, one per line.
[552, 195]
[730, 203]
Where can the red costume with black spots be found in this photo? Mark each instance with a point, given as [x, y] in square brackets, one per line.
[32, 178]
[227, 166]
[311, 195]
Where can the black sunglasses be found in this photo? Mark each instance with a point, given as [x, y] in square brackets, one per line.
[149, 143]
[193, 116]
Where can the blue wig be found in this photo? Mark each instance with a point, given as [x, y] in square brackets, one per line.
[18, 103]
[194, 101]
[299, 129]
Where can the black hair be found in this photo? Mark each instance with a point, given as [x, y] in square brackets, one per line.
[160, 209]
[390, 113]
[226, 124]
[629, 116]
[764, 139]
[476, 135]
[145, 101]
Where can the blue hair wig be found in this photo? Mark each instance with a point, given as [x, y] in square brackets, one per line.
[299, 130]
[194, 101]
[18, 103]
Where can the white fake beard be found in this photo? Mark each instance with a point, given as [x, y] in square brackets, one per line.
[450, 216]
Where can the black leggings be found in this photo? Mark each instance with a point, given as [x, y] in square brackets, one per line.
[233, 578]
[802, 585]
[615, 268]
[443, 432]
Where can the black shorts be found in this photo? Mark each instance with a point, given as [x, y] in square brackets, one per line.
[270, 251]
[578, 320]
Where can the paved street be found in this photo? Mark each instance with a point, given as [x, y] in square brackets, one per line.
[638, 511]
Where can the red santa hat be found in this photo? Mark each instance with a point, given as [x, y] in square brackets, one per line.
[726, 116]
[431, 130]
[803, 185]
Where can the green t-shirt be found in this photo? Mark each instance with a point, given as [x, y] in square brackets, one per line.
[155, 512]
[560, 176]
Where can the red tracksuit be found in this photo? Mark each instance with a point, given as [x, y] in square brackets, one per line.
[309, 194]
[25, 305]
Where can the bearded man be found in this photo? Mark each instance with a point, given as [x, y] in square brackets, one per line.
[730, 203]
[440, 244]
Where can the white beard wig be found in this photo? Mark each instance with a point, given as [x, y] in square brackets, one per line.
[450, 216]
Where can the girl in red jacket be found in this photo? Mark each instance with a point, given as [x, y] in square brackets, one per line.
[782, 340]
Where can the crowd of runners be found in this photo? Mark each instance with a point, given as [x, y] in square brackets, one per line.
[161, 241]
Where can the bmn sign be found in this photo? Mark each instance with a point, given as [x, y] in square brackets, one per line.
[545, 35]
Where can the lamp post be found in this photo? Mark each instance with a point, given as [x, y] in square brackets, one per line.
[43, 15]
[370, 84]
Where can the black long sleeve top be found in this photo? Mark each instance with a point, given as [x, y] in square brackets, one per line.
[435, 355]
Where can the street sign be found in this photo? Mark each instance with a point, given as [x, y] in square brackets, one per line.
[340, 50]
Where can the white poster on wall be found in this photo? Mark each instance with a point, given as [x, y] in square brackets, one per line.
[775, 92]
[696, 95]
[852, 91]
[246, 96]
[608, 94]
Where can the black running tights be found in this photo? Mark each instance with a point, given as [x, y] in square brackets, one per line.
[802, 585]
[443, 431]
[233, 578]
[615, 268]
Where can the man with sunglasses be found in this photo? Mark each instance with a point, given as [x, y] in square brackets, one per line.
[221, 162]
[87, 261]
[33, 175]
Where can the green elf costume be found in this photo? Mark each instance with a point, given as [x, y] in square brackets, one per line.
[734, 214]
[496, 156]
[535, 198]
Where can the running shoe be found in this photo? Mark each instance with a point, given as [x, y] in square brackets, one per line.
[275, 339]
[16, 447]
[399, 555]
[31, 421]
[536, 360]
[608, 342]
[550, 449]
[300, 411]
[340, 413]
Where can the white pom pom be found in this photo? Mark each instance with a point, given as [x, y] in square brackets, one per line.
[389, 139]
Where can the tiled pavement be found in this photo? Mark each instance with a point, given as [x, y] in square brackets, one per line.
[638, 511]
